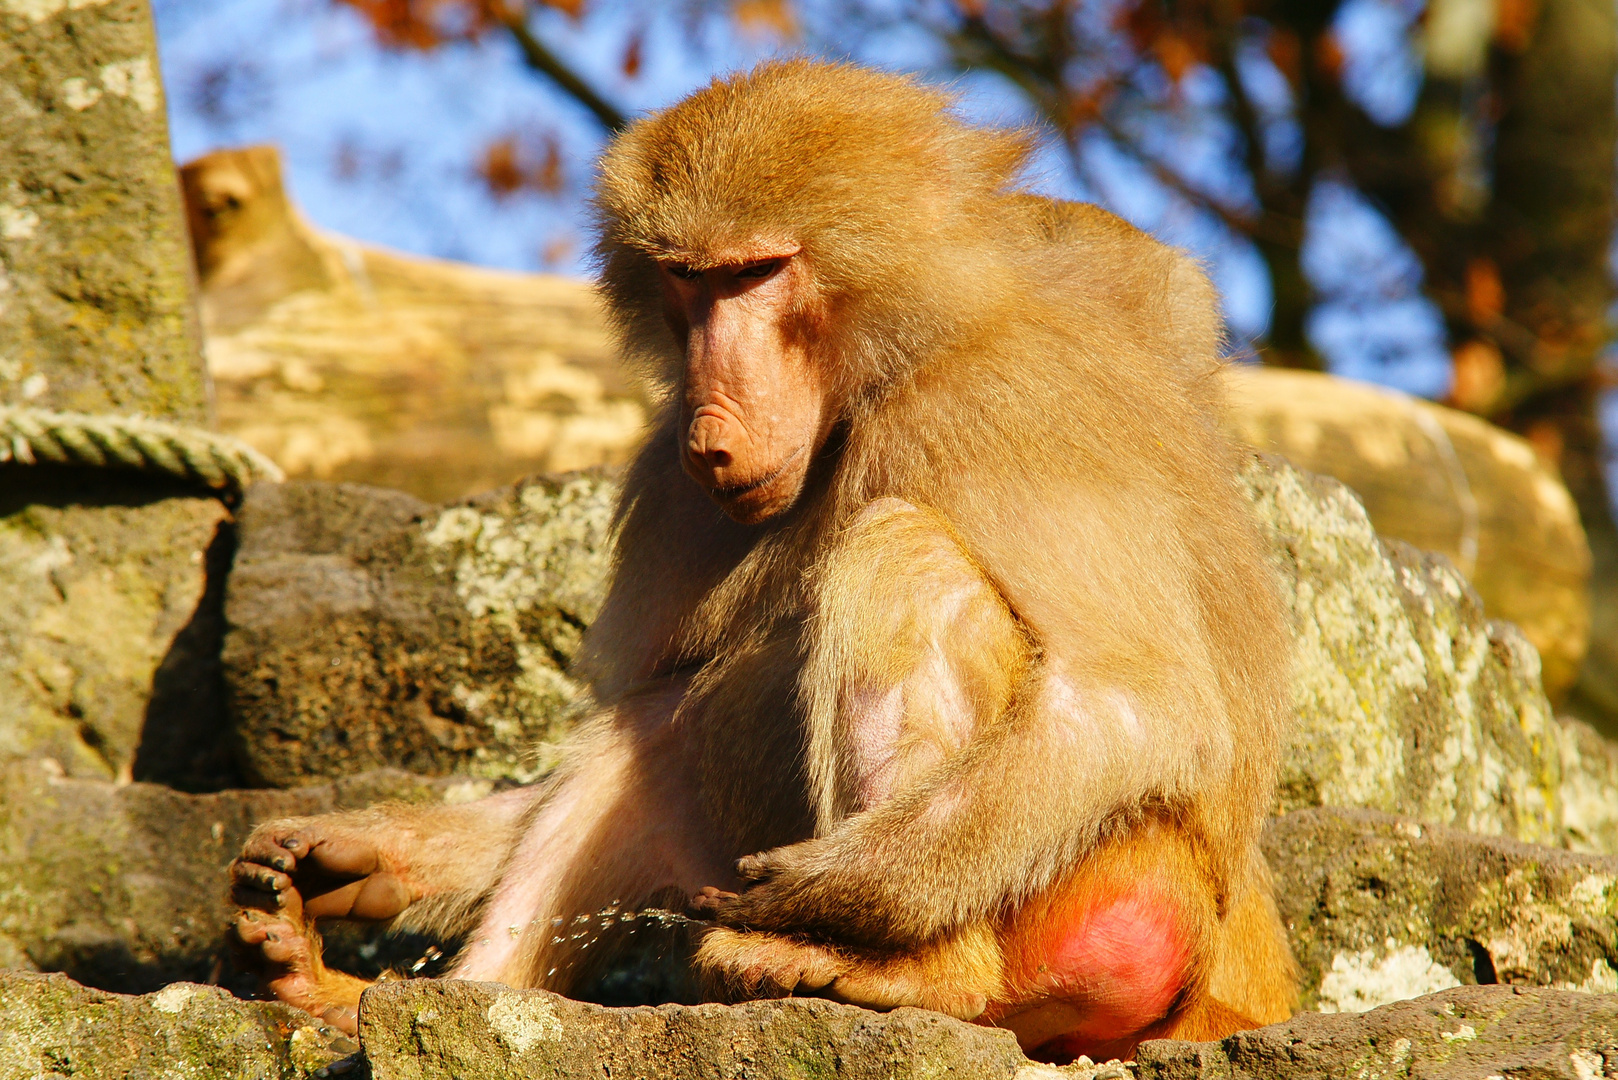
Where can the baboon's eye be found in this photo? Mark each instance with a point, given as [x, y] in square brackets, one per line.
[759, 269]
[682, 271]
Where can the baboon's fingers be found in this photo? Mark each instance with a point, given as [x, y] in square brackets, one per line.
[706, 903]
[754, 867]
[754, 965]
[256, 877]
[874, 988]
[278, 940]
[268, 846]
[284, 946]
[250, 931]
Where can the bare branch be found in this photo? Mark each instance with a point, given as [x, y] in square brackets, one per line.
[539, 57]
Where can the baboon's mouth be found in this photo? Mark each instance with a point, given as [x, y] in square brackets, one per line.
[731, 492]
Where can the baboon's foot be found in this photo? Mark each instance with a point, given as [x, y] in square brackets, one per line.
[284, 948]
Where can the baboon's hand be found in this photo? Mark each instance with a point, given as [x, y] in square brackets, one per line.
[772, 896]
[337, 870]
[736, 966]
[739, 967]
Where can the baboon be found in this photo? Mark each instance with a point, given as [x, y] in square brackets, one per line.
[941, 664]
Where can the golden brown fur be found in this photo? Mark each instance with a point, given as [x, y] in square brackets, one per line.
[1010, 648]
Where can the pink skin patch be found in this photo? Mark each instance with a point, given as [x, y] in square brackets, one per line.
[1089, 980]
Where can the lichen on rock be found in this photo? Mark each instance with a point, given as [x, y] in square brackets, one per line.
[427, 1030]
[369, 629]
[1382, 908]
[1467, 1031]
[108, 629]
[52, 1027]
[1406, 697]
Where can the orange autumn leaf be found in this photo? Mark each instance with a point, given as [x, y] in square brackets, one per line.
[1485, 294]
[633, 55]
[557, 249]
[399, 23]
[426, 24]
[1514, 24]
[1479, 377]
[1329, 55]
[573, 9]
[766, 17]
[1175, 54]
[511, 164]
[547, 175]
[499, 168]
[1286, 53]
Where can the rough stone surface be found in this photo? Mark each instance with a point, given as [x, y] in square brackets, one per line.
[1408, 698]
[427, 1030]
[123, 886]
[1381, 908]
[1468, 1033]
[97, 302]
[53, 1029]
[111, 626]
[369, 629]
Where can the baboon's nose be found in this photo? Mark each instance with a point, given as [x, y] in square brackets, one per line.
[706, 444]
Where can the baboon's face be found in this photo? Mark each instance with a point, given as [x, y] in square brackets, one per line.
[755, 408]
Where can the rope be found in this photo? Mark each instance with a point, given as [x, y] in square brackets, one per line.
[31, 436]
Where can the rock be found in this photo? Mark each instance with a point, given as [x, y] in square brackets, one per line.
[1444, 481]
[436, 1030]
[345, 362]
[52, 1027]
[123, 886]
[369, 629]
[111, 624]
[1467, 1033]
[1380, 908]
[96, 305]
[1589, 781]
[1407, 698]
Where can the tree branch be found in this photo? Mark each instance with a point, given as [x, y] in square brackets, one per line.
[976, 44]
[539, 57]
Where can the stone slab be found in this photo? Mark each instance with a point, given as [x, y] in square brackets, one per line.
[432, 1029]
[1468, 1033]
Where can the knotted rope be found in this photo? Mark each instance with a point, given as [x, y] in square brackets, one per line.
[30, 436]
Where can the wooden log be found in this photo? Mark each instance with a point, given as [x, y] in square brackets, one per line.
[347, 362]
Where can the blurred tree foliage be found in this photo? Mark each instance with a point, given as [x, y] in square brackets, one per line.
[1499, 174]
